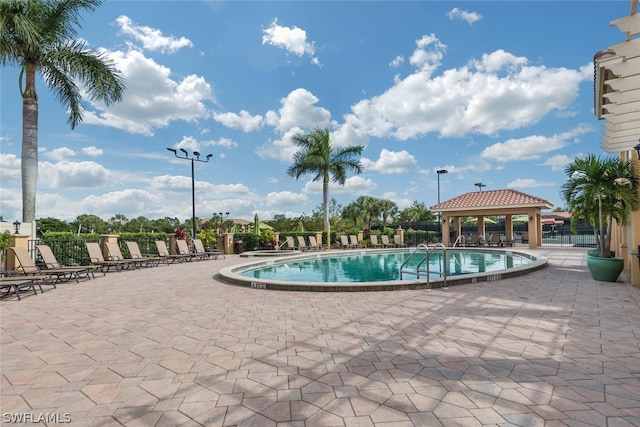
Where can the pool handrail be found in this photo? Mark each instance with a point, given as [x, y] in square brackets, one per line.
[427, 250]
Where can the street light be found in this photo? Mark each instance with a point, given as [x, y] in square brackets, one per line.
[440, 172]
[185, 156]
[219, 216]
[480, 185]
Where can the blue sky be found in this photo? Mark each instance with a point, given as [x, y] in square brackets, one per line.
[495, 92]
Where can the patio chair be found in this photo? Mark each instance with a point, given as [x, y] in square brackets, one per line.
[374, 241]
[15, 285]
[386, 243]
[199, 249]
[344, 242]
[353, 241]
[115, 254]
[472, 240]
[183, 249]
[398, 242]
[29, 268]
[313, 244]
[302, 244]
[145, 261]
[163, 252]
[493, 239]
[50, 262]
[289, 242]
[96, 258]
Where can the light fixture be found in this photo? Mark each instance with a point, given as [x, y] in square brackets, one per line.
[480, 185]
[193, 182]
[16, 226]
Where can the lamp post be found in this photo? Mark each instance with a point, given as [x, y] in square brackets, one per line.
[219, 216]
[16, 226]
[440, 172]
[194, 158]
[480, 185]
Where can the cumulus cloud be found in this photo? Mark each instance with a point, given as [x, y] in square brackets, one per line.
[242, 120]
[153, 99]
[291, 39]
[499, 91]
[528, 183]
[391, 162]
[559, 161]
[286, 198]
[9, 169]
[62, 153]
[352, 185]
[128, 200]
[397, 61]
[92, 151]
[530, 147]
[152, 39]
[66, 174]
[298, 109]
[464, 15]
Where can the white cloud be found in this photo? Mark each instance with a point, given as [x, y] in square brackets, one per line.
[464, 15]
[291, 39]
[559, 161]
[151, 38]
[279, 149]
[243, 120]
[60, 154]
[66, 174]
[93, 151]
[530, 147]
[129, 200]
[152, 99]
[352, 185]
[498, 92]
[10, 172]
[298, 109]
[286, 198]
[391, 162]
[529, 183]
[397, 61]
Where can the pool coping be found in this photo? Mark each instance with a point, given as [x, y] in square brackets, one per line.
[230, 275]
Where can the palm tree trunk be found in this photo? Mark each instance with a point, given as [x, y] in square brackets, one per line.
[29, 162]
[325, 210]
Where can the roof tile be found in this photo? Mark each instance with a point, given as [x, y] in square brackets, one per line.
[492, 199]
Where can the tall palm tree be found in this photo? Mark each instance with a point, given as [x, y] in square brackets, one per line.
[40, 36]
[317, 156]
[389, 209]
[598, 191]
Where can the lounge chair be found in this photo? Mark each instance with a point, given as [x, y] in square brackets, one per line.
[374, 241]
[115, 254]
[344, 242]
[302, 245]
[145, 261]
[313, 244]
[493, 239]
[50, 262]
[289, 242]
[29, 268]
[163, 252]
[386, 243]
[183, 249]
[353, 241]
[97, 259]
[199, 249]
[471, 240]
[18, 284]
[398, 242]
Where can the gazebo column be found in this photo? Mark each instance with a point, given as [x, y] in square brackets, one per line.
[481, 229]
[457, 227]
[444, 230]
[535, 230]
[508, 228]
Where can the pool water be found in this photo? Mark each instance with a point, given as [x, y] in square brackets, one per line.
[384, 266]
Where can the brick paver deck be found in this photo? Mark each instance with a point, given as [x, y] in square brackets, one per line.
[171, 346]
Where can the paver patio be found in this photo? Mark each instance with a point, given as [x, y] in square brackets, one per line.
[171, 346]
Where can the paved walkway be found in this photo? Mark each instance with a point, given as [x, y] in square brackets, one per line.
[171, 346]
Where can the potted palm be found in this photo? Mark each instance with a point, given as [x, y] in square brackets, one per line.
[598, 191]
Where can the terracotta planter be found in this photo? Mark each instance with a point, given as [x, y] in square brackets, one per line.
[605, 269]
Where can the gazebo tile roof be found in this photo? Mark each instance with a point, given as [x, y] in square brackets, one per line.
[492, 199]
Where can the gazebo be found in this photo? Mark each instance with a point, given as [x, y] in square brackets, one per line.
[493, 203]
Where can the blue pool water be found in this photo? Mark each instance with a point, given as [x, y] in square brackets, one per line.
[383, 266]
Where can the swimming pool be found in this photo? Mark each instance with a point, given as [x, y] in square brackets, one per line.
[363, 270]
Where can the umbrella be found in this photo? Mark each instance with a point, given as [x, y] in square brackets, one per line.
[520, 218]
[300, 228]
[256, 224]
[474, 220]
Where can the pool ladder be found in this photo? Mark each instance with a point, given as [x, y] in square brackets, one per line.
[427, 251]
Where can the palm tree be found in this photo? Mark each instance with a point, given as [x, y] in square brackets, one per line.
[389, 209]
[598, 191]
[317, 156]
[40, 36]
